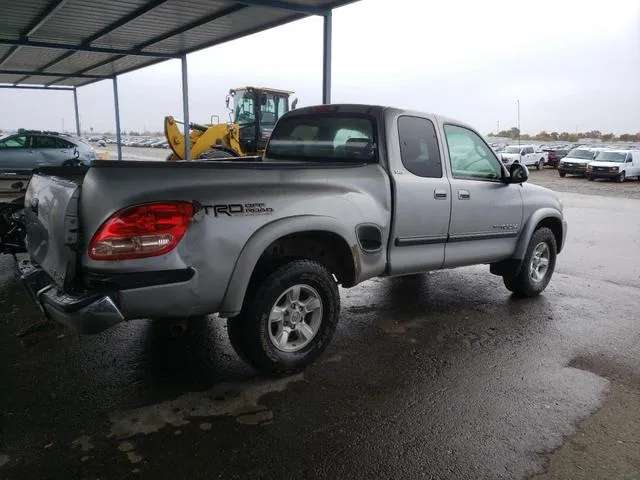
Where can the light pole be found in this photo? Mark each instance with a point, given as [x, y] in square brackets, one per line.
[518, 122]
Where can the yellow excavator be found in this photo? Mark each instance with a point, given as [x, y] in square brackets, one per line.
[254, 113]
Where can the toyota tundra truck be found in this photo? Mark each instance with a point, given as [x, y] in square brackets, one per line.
[343, 193]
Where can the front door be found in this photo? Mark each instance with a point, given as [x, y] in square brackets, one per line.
[16, 154]
[486, 213]
[422, 198]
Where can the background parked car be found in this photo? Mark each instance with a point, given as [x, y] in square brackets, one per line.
[576, 161]
[554, 155]
[529, 155]
[30, 149]
[615, 164]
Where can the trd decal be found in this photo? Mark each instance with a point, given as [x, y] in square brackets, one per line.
[237, 209]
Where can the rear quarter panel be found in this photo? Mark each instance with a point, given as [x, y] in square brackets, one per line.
[329, 198]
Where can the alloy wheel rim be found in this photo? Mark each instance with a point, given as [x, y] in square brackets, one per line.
[295, 318]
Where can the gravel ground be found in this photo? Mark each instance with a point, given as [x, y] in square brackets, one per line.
[608, 188]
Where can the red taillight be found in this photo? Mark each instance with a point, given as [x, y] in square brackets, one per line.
[142, 231]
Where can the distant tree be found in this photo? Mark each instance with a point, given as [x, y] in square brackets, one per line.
[573, 137]
[514, 132]
[133, 133]
[608, 137]
[627, 137]
[564, 136]
[555, 135]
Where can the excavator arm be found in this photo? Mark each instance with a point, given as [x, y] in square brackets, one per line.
[203, 138]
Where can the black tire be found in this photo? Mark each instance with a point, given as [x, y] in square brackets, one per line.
[215, 154]
[249, 331]
[621, 178]
[540, 164]
[562, 174]
[591, 179]
[521, 283]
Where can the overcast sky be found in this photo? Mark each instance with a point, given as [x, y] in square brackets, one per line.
[573, 65]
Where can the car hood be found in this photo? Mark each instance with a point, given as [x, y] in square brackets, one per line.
[607, 164]
[537, 196]
[510, 155]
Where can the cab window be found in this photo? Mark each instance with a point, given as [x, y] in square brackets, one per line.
[470, 157]
[419, 150]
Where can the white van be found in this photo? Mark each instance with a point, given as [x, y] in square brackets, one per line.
[618, 164]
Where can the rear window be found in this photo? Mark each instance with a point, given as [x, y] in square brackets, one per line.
[324, 137]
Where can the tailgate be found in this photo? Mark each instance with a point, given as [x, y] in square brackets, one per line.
[51, 220]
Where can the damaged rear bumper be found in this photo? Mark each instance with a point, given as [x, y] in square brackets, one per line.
[86, 313]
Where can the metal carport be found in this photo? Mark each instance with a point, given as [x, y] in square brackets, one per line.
[66, 44]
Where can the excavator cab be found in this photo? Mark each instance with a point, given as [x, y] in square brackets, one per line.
[253, 115]
[255, 111]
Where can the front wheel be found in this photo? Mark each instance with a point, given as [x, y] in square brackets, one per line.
[540, 164]
[289, 319]
[537, 267]
[562, 174]
[621, 178]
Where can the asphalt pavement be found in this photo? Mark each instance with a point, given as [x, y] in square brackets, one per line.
[442, 375]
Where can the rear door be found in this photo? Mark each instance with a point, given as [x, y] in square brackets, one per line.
[49, 151]
[486, 213]
[422, 196]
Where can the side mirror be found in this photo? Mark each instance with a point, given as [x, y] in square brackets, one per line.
[518, 172]
[294, 103]
[228, 99]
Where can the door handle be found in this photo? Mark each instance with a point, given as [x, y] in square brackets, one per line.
[464, 194]
[439, 194]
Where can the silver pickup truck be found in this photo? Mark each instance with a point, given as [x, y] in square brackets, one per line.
[343, 193]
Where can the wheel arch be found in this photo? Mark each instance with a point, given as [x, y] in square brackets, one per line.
[319, 238]
[546, 217]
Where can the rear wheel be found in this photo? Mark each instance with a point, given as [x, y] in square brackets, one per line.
[537, 266]
[562, 174]
[591, 178]
[289, 318]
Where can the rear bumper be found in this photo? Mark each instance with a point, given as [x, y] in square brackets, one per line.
[86, 313]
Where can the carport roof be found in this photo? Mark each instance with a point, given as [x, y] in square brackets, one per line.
[72, 43]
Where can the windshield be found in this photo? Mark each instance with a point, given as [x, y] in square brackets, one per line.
[580, 153]
[617, 157]
[323, 137]
[272, 106]
[512, 150]
[244, 112]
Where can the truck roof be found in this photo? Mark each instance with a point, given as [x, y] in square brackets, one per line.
[370, 109]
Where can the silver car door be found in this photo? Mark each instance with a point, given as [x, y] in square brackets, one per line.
[486, 213]
[422, 197]
[16, 153]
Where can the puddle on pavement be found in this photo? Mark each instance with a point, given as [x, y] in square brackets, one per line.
[237, 400]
